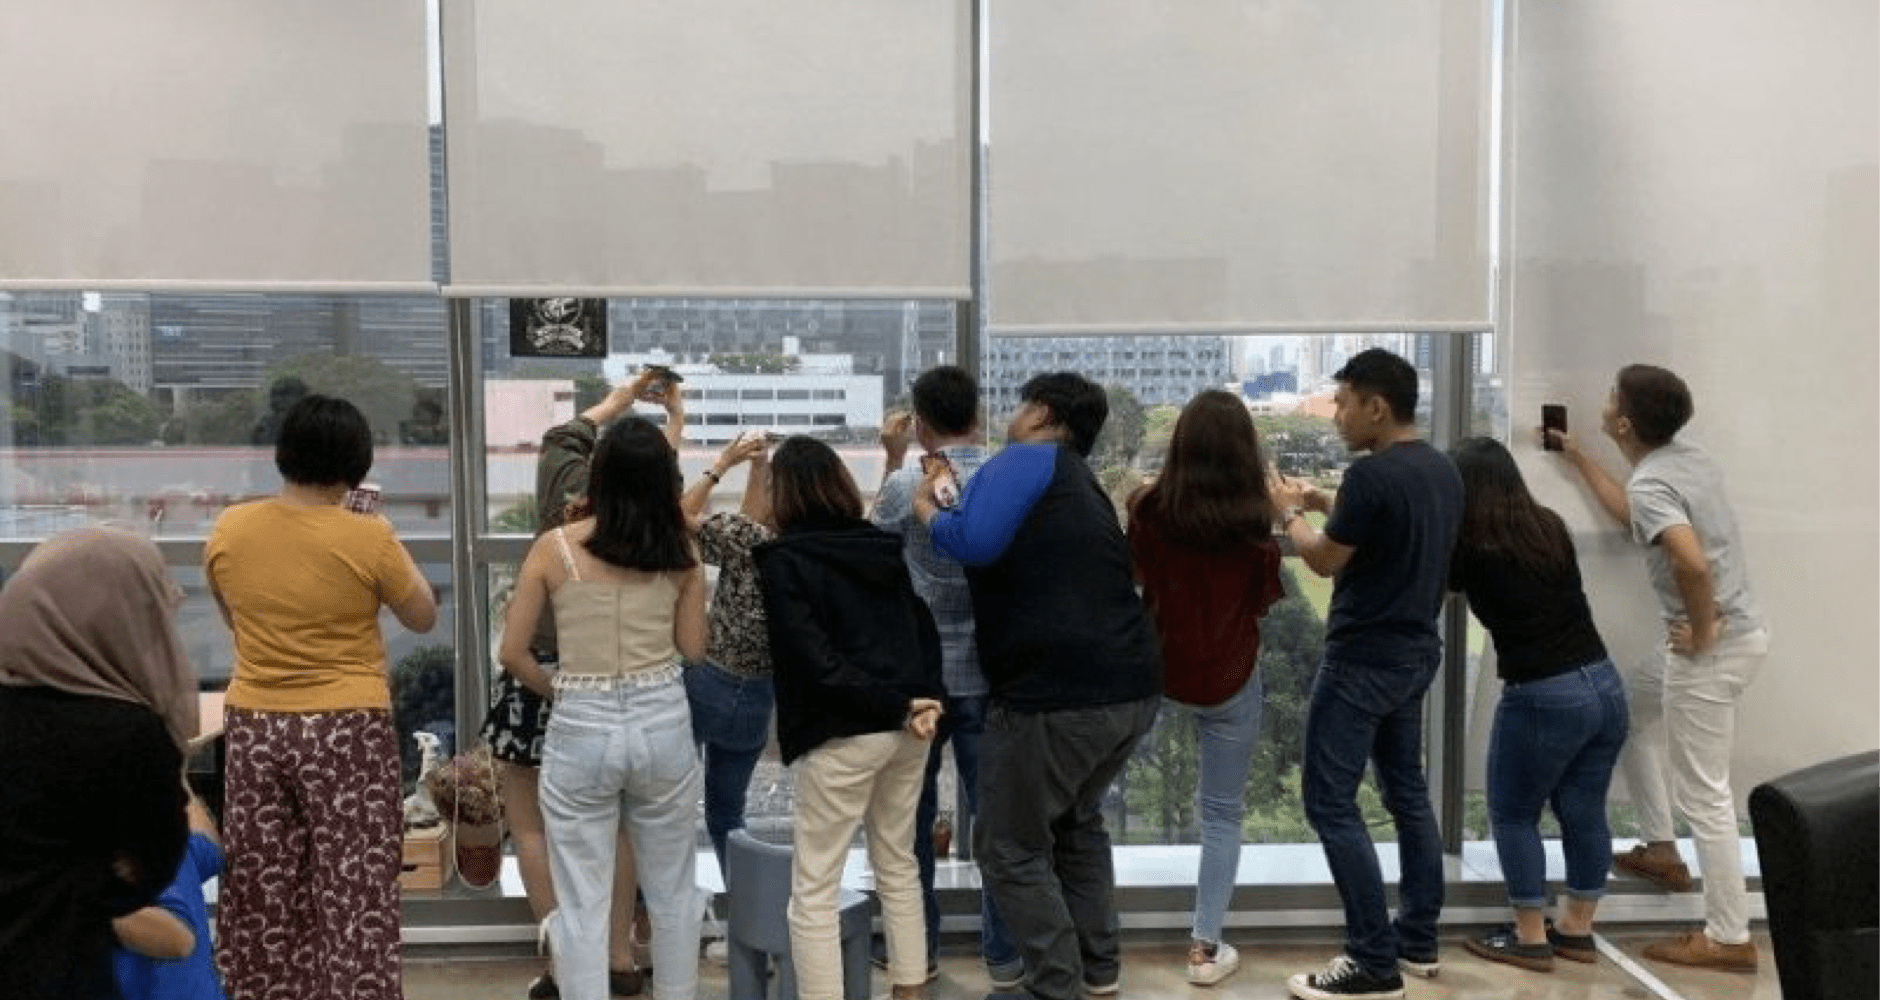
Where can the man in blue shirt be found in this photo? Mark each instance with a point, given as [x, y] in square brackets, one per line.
[1075, 673]
[1387, 543]
[945, 421]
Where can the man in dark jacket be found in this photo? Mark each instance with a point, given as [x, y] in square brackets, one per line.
[1075, 672]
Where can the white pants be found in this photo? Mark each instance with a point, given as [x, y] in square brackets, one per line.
[873, 780]
[1683, 712]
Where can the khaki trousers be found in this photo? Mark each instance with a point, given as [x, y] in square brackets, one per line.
[871, 781]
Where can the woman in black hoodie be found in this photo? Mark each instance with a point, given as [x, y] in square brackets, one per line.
[858, 693]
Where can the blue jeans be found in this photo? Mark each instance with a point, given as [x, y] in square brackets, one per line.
[963, 722]
[1555, 740]
[731, 722]
[1226, 733]
[1372, 712]
[613, 756]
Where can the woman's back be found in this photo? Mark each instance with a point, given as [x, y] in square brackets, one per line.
[610, 619]
[1207, 601]
[303, 585]
[1540, 622]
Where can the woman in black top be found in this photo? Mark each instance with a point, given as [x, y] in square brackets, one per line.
[857, 663]
[1562, 715]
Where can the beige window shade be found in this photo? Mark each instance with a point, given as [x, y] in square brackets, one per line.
[1698, 186]
[1238, 165]
[729, 147]
[233, 144]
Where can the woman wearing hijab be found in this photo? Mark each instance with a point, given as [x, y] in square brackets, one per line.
[96, 704]
[314, 817]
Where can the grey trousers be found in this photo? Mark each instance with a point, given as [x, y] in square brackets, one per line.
[1043, 851]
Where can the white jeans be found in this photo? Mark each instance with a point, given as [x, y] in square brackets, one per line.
[1683, 712]
[873, 780]
[625, 754]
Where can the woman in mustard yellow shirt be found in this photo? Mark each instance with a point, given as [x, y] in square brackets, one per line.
[313, 822]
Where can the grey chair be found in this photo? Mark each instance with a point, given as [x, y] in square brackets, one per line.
[757, 928]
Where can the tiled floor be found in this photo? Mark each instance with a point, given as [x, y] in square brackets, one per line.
[1153, 970]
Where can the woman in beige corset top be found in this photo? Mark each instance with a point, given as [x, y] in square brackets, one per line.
[629, 601]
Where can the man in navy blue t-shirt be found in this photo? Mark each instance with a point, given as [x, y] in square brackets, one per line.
[1386, 543]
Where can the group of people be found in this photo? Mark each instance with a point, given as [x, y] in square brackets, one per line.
[1012, 618]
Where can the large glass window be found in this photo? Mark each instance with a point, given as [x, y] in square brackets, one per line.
[157, 412]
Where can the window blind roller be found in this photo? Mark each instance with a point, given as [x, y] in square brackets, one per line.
[235, 144]
[725, 148]
[1238, 165]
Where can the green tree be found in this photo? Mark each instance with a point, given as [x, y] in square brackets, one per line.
[1121, 437]
[78, 412]
[1158, 429]
[1300, 444]
[385, 394]
[517, 518]
[756, 364]
[226, 419]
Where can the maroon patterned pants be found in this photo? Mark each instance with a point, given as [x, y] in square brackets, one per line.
[309, 898]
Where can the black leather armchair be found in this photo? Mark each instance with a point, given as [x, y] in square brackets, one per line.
[1818, 837]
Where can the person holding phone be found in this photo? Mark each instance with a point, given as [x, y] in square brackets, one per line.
[1201, 538]
[1386, 545]
[945, 423]
[314, 808]
[518, 719]
[1562, 715]
[1683, 702]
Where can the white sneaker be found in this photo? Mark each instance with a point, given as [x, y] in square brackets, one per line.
[718, 953]
[1205, 969]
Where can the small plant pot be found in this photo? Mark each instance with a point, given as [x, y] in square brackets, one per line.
[478, 852]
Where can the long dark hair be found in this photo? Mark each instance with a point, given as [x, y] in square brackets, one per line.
[633, 486]
[808, 482]
[1212, 489]
[1499, 515]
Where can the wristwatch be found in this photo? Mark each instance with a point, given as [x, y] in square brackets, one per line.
[713, 475]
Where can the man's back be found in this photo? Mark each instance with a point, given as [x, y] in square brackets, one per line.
[1399, 509]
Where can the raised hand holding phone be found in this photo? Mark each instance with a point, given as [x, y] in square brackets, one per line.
[1553, 420]
[939, 472]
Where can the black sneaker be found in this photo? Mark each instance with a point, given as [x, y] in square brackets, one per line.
[544, 987]
[1345, 978]
[1502, 945]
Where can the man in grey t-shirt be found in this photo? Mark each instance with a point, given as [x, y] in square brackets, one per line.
[1683, 704]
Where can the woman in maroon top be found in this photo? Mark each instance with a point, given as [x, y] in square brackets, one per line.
[1202, 541]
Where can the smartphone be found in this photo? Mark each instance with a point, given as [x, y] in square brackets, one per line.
[1553, 418]
[362, 499]
[664, 379]
[946, 488]
[773, 437]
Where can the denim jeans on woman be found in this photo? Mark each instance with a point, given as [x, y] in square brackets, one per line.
[1226, 734]
[623, 752]
[1555, 740]
[1374, 712]
[731, 722]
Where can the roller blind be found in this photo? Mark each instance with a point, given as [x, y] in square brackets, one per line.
[729, 147]
[1698, 186]
[238, 144]
[1238, 164]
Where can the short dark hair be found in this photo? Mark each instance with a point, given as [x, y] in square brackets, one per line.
[1377, 372]
[808, 482]
[324, 441]
[1077, 404]
[1655, 400]
[947, 399]
[633, 486]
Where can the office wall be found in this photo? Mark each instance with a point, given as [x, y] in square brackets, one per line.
[1696, 187]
